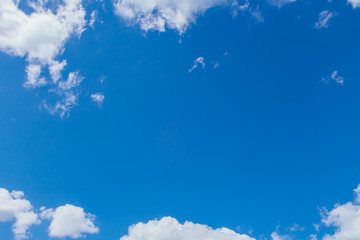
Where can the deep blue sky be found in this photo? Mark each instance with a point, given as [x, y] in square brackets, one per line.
[259, 142]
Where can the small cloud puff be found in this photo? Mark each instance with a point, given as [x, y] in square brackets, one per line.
[98, 98]
[200, 61]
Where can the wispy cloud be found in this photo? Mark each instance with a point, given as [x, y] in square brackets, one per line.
[324, 18]
[200, 61]
[334, 77]
[280, 3]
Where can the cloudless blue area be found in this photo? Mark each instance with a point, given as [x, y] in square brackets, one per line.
[259, 142]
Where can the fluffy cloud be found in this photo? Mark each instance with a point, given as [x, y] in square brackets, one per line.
[13, 207]
[40, 36]
[354, 3]
[324, 18]
[169, 228]
[159, 14]
[346, 219]
[66, 221]
[69, 221]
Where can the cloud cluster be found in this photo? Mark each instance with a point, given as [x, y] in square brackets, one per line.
[169, 228]
[66, 221]
[40, 36]
[70, 221]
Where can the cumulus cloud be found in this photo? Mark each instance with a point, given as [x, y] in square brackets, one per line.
[66, 221]
[169, 228]
[354, 3]
[324, 18]
[40, 36]
[13, 207]
[200, 61]
[69, 221]
[161, 14]
[345, 218]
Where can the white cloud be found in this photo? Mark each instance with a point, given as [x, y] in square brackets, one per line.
[346, 219]
[276, 236]
[244, 7]
[198, 62]
[357, 194]
[69, 221]
[14, 208]
[33, 72]
[257, 14]
[296, 228]
[67, 95]
[40, 36]
[55, 69]
[98, 98]
[324, 18]
[280, 3]
[334, 77]
[354, 3]
[313, 237]
[169, 228]
[93, 18]
[161, 14]
[240, 7]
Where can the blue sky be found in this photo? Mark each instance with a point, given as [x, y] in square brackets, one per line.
[242, 115]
